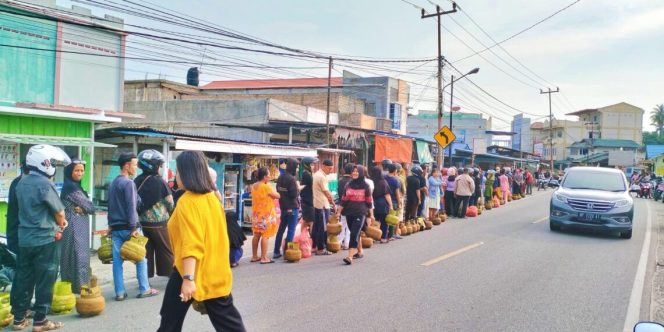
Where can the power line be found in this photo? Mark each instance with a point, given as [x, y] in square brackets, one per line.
[520, 32]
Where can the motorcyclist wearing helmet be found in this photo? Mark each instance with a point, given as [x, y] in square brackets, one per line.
[154, 211]
[41, 220]
[307, 194]
[413, 192]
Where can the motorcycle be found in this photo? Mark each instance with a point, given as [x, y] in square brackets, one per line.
[645, 189]
[659, 190]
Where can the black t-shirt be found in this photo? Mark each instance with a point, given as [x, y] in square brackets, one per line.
[412, 186]
[307, 194]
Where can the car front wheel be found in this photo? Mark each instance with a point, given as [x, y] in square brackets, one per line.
[626, 235]
[554, 227]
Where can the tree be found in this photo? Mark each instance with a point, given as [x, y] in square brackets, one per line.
[657, 118]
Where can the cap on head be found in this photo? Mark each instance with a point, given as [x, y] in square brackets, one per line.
[328, 162]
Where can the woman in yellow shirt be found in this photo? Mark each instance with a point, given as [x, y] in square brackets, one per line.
[197, 230]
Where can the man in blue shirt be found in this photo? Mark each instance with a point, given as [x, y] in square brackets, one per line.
[123, 222]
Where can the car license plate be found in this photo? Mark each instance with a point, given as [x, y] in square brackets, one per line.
[589, 217]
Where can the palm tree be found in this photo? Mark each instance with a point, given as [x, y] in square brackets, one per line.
[657, 118]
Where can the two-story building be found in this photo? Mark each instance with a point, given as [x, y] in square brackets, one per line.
[54, 88]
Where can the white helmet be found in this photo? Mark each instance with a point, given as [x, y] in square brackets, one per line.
[45, 158]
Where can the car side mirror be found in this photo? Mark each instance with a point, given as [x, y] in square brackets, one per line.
[648, 327]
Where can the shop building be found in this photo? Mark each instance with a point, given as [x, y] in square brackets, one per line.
[53, 87]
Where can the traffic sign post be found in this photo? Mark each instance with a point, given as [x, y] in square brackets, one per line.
[444, 137]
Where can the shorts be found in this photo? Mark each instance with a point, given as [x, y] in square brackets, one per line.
[308, 213]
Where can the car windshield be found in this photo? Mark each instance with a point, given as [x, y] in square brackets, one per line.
[595, 181]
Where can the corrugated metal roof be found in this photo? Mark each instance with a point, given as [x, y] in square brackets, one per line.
[606, 143]
[652, 150]
[317, 82]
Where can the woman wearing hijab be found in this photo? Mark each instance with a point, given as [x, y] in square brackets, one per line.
[382, 200]
[75, 258]
[355, 205]
[154, 211]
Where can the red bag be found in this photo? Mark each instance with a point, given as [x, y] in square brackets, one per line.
[305, 242]
[472, 211]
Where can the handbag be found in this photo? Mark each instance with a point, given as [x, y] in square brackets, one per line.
[157, 213]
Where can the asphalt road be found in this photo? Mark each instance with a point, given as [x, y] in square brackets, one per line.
[501, 271]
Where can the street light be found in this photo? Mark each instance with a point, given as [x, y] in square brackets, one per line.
[451, 84]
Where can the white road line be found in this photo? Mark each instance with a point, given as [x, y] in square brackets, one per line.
[452, 254]
[634, 308]
[540, 220]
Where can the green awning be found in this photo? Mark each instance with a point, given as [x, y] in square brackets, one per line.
[423, 152]
[62, 141]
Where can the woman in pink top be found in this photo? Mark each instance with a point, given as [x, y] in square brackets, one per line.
[504, 183]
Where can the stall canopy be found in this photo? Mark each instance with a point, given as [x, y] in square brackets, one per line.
[396, 149]
[244, 148]
[423, 153]
[63, 141]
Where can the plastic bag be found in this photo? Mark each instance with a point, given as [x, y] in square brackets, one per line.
[305, 242]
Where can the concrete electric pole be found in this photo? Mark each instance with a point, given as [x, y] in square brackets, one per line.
[549, 92]
[438, 14]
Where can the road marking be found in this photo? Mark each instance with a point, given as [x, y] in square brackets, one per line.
[452, 254]
[634, 307]
[540, 220]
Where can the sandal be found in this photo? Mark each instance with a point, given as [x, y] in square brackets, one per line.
[150, 293]
[357, 256]
[47, 325]
[347, 261]
[121, 297]
[254, 260]
[22, 324]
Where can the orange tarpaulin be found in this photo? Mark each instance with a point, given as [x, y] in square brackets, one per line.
[396, 149]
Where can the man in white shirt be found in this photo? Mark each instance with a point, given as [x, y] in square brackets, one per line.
[323, 202]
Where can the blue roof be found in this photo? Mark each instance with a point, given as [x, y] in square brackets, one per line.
[653, 151]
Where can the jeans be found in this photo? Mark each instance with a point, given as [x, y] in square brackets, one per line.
[289, 219]
[529, 189]
[221, 311]
[450, 204]
[380, 217]
[119, 237]
[462, 203]
[319, 235]
[36, 272]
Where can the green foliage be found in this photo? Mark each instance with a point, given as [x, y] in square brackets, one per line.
[657, 118]
[650, 138]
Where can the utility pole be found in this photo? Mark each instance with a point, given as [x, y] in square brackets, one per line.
[438, 14]
[329, 91]
[549, 92]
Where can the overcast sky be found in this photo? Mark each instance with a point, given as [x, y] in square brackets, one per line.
[598, 52]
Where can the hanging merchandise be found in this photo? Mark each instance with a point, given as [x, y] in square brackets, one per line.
[9, 167]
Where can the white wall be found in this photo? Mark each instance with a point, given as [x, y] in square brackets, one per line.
[86, 80]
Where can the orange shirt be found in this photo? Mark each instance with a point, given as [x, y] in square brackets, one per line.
[197, 229]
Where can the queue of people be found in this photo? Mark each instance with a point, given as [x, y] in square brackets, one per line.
[368, 195]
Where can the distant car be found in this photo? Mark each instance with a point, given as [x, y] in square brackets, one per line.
[593, 198]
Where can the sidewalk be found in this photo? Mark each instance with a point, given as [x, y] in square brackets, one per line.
[657, 296]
